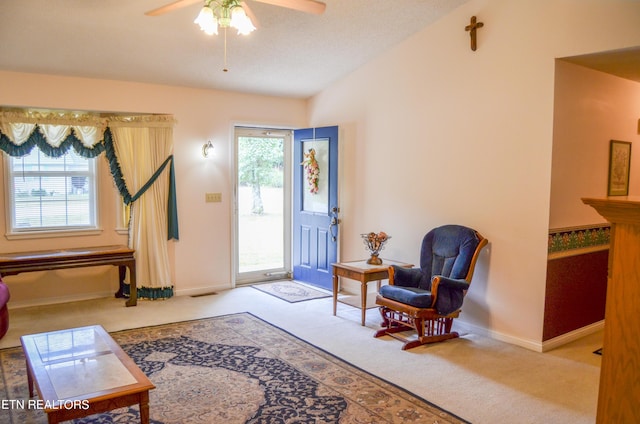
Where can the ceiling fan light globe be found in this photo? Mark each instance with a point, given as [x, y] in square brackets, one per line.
[246, 28]
[207, 21]
[238, 14]
[205, 13]
[241, 22]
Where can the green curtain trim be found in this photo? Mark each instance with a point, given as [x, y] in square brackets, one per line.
[38, 139]
[152, 293]
[114, 166]
[116, 172]
[172, 206]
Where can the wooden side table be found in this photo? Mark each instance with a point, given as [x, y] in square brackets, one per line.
[363, 272]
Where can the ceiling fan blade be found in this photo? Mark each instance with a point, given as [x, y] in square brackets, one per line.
[179, 4]
[250, 14]
[307, 6]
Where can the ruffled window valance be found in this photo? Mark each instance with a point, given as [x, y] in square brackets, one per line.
[54, 133]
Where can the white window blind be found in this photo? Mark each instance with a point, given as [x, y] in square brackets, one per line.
[48, 194]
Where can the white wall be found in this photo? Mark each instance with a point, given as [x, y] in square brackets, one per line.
[202, 256]
[434, 133]
[591, 108]
[431, 133]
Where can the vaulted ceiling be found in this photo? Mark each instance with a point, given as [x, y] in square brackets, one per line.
[291, 54]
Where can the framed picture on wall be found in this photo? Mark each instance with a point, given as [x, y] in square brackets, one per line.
[619, 166]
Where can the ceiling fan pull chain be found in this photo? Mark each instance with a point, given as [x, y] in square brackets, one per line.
[225, 51]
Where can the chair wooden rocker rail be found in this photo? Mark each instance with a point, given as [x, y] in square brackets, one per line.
[427, 299]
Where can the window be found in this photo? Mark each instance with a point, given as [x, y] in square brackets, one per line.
[51, 194]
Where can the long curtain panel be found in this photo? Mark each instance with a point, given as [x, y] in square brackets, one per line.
[141, 150]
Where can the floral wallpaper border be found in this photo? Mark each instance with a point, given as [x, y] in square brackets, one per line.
[566, 239]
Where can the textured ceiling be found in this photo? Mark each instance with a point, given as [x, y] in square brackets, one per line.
[291, 54]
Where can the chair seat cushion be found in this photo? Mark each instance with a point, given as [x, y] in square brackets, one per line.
[408, 295]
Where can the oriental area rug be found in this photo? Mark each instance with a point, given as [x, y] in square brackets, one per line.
[237, 369]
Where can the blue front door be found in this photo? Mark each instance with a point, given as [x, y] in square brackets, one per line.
[315, 205]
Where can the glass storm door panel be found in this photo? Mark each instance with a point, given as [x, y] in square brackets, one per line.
[263, 205]
[315, 205]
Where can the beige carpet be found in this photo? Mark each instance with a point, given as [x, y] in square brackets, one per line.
[474, 377]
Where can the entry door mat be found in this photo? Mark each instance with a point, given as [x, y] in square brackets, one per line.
[291, 291]
[237, 369]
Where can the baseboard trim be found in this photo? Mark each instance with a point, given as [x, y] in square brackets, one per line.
[99, 295]
[61, 299]
[535, 346]
[527, 344]
[202, 290]
[550, 344]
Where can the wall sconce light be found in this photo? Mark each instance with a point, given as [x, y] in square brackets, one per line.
[207, 148]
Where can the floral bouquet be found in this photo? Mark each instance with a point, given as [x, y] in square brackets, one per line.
[312, 170]
[375, 243]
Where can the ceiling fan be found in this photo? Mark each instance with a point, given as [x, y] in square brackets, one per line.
[234, 13]
[307, 6]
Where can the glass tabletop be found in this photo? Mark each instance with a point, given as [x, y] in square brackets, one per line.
[80, 361]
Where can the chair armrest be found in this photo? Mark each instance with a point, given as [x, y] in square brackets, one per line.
[448, 294]
[404, 277]
[450, 283]
[4, 294]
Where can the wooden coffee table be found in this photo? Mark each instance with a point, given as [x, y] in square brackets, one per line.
[82, 371]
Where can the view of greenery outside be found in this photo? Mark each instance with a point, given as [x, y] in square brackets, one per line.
[260, 203]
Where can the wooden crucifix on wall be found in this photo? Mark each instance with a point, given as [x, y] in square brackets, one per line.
[472, 28]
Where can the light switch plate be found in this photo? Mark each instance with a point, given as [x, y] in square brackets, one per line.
[213, 197]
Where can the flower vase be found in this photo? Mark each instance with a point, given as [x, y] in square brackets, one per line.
[375, 243]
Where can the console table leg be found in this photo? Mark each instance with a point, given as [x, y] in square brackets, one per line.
[122, 272]
[133, 288]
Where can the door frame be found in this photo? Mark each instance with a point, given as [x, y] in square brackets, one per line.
[262, 275]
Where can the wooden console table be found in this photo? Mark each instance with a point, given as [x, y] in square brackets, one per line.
[47, 260]
[363, 272]
[619, 389]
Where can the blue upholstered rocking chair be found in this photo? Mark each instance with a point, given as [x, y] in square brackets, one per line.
[427, 299]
